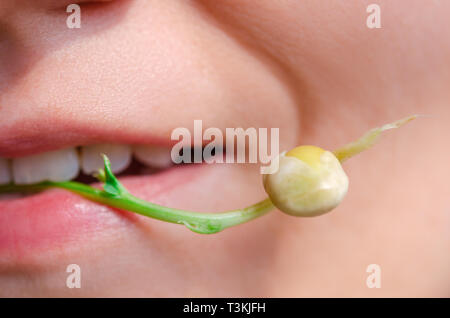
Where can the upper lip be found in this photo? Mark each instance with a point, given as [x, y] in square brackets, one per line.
[31, 137]
[28, 136]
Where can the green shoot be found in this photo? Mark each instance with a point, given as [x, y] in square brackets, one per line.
[115, 195]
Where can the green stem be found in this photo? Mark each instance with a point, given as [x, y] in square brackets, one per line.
[115, 195]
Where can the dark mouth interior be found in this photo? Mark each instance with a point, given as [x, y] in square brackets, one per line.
[134, 169]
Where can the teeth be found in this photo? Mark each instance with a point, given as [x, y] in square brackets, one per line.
[154, 156]
[64, 165]
[60, 165]
[92, 161]
[5, 171]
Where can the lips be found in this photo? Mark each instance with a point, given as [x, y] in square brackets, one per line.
[38, 223]
[49, 220]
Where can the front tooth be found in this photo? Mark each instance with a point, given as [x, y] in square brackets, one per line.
[5, 171]
[92, 161]
[154, 156]
[59, 165]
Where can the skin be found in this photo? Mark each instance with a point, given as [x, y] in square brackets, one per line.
[315, 64]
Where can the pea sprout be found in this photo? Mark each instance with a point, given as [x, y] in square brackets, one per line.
[115, 195]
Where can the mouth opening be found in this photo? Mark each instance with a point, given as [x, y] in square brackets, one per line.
[134, 169]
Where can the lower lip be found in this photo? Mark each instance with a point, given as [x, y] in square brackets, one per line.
[45, 221]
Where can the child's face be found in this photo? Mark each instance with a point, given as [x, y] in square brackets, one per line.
[136, 70]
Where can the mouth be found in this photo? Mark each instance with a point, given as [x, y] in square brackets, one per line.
[34, 223]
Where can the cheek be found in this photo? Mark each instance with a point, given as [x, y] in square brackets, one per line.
[151, 65]
[334, 58]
